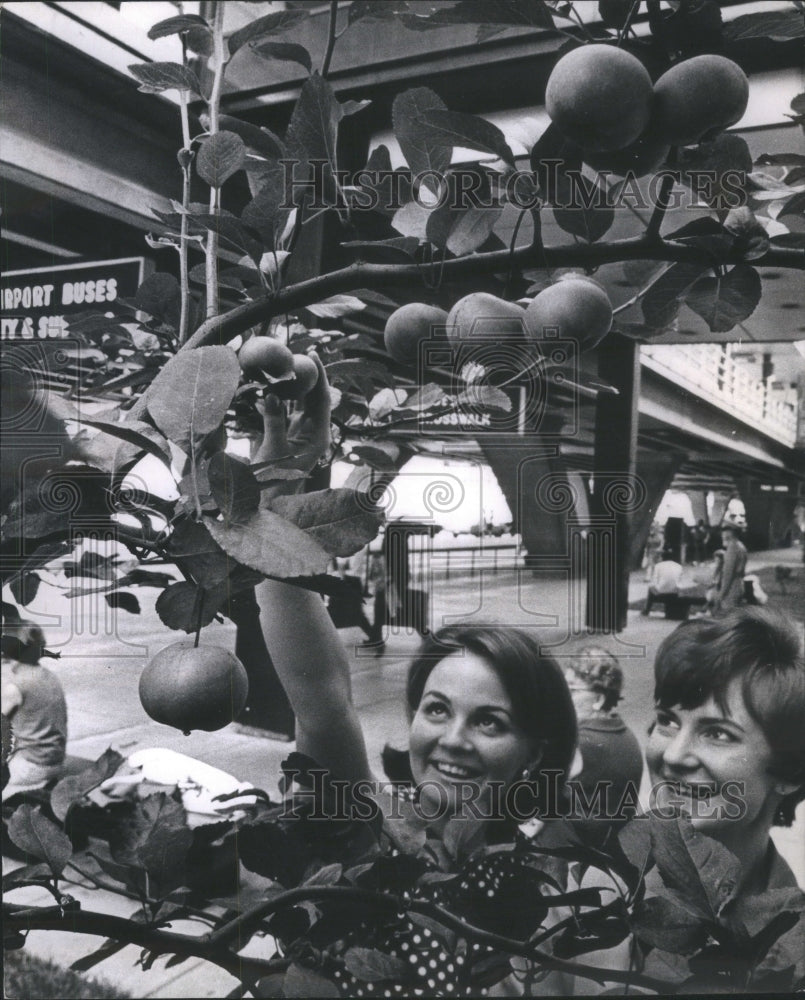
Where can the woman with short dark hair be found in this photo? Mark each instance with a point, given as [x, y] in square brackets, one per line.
[728, 742]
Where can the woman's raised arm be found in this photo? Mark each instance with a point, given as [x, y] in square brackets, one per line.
[312, 665]
[307, 653]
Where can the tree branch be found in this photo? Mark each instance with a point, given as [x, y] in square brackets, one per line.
[220, 329]
[331, 39]
[248, 921]
[106, 925]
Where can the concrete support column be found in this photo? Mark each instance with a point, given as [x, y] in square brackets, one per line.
[656, 472]
[698, 504]
[720, 501]
[617, 492]
[769, 514]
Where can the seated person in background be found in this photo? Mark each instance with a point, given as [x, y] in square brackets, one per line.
[665, 579]
[611, 756]
[33, 702]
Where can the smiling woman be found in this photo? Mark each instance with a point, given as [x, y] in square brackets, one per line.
[728, 742]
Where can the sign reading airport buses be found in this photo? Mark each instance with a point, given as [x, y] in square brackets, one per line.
[35, 304]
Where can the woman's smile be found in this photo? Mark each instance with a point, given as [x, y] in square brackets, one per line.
[464, 733]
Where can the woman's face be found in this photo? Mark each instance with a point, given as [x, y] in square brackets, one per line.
[713, 765]
[464, 736]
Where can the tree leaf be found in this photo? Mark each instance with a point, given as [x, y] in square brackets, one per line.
[342, 521]
[398, 250]
[412, 221]
[131, 837]
[175, 25]
[663, 300]
[27, 875]
[177, 607]
[286, 52]
[268, 211]
[234, 487]
[219, 157]
[751, 238]
[703, 871]
[793, 212]
[328, 875]
[270, 24]
[190, 396]
[123, 599]
[271, 545]
[196, 551]
[302, 982]
[134, 432]
[726, 301]
[706, 233]
[31, 831]
[372, 966]
[159, 295]
[485, 397]
[662, 923]
[74, 787]
[313, 130]
[336, 306]
[25, 587]
[421, 151]
[159, 76]
[259, 138]
[461, 230]
[780, 26]
[589, 223]
[725, 163]
[455, 128]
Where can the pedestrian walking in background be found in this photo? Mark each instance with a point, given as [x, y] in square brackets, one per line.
[731, 590]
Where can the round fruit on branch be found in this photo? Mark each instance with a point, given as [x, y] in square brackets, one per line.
[264, 357]
[481, 316]
[194, 687]
[640, 158]
[698, 98]
[599, 97]
[304, 376]
[576, 307]
[408, 327]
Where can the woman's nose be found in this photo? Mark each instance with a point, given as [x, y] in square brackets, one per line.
[678, 752]
[455, 734]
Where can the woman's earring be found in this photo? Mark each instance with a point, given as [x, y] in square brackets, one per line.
[526, 773]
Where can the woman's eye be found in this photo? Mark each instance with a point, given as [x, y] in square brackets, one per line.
[435, 709]
[719, 734]
[490, 724]
[664, 721]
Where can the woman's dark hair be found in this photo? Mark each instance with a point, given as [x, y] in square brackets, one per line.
[757, 646]
[533, 680]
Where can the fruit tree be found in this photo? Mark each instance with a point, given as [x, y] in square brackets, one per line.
[245, 328]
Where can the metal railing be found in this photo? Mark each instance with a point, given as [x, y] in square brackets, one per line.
[710, 372]
[462, 560]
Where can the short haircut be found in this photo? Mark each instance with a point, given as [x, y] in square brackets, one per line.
[600, 671]
[533, 680]
[23, 641]
[757, 646]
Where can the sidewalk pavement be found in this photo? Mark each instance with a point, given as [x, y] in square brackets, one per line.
[103, 653]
